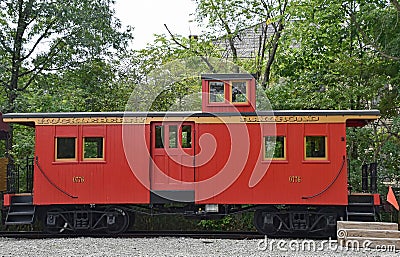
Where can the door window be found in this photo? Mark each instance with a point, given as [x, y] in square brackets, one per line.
[159, 130]
[173, 136]
[186, 136]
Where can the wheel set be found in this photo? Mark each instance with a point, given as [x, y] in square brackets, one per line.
[275, 222]
[111, 220]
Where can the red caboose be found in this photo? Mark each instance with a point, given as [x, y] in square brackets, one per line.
[290, 167]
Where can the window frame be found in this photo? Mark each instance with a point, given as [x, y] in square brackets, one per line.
[83, 149]
[56, 150]
[325, 158]
[284, 158]
[231, 91]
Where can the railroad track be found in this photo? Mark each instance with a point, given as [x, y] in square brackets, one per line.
[137, 234]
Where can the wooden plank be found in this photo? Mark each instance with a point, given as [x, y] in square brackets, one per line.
[388, 244]
[367, 225]
[372, 233]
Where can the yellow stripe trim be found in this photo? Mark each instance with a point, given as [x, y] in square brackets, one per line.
[211, 120]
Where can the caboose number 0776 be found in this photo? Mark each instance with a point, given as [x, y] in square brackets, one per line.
[92, 171]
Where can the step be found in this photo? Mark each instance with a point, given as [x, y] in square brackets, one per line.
[361, 198]
[361, 204]
[21, 213]
[11, 223]
[367, 225]
[21, 199]
[22, 204]
[19, 220]
[21, 208]
[368, 214]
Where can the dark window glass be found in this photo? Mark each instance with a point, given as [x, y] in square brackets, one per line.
[274, 147]
[217, 92]
[93, 148]
[66, 148]
[239, 92]
[315, 147]
[159, 136]
[173, 136]
[187, 136]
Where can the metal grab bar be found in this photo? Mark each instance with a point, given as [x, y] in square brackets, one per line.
[51, 182]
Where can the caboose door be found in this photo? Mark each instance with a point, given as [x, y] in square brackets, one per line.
[172, 168]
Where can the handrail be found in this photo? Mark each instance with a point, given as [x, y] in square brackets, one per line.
[333, 181]
[50, 181]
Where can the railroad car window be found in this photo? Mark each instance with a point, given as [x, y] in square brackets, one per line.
[173, 136]
[315, 147]
[186, 136]
[159, 137]
[239, 92]
[65, 148]
[274, 147]
[217, 92]
[93, 148]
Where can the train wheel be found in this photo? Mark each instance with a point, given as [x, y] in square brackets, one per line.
[117, 220]
[56, 221]
[267, 222]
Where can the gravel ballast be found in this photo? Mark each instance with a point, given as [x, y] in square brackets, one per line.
[181, 247]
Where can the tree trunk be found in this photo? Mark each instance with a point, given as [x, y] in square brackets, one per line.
[23, 16]
[271, 55]
[234, 52]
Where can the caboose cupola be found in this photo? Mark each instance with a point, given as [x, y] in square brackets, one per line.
[228, 92]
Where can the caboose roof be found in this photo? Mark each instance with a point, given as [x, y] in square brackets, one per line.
[353, 118]
[227, 76]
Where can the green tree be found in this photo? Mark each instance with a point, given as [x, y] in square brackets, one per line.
[328, 61]
[227, 19]
[183, 58]
[43, 37]
[92, 87]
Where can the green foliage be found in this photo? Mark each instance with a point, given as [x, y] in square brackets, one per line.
[221, 224]
[329, 61]
[40, 37]
[95, 86]
[23, 143]
[237, 222]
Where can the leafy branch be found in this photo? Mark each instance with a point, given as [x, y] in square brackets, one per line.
[369, 40]
[210, 66]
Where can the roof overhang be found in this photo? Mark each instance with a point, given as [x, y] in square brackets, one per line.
[352, 118]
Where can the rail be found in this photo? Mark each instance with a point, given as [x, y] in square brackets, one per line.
[20, 176]
[138, 234]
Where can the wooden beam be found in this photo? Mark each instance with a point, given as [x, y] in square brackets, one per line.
[367, 225]
[372, 233]
[387, 244]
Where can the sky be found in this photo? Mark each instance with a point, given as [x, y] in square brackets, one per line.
[149, 16]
